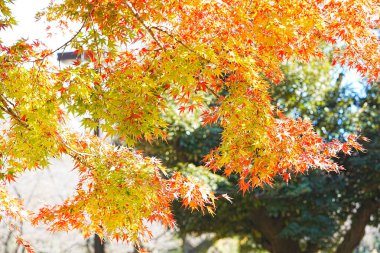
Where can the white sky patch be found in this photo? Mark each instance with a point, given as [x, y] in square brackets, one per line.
[24, 12]
[28, 28]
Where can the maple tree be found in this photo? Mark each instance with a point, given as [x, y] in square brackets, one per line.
[310, 213]
[147, 56]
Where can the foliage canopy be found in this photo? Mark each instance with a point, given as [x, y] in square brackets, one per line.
[311, 212]
[147, 56]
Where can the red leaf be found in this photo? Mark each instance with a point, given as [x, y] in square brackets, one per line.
[182, 109]
[25, 244]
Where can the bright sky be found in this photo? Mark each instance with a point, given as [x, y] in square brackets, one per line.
[24, 11]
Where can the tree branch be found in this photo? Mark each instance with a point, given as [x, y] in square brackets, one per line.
[270, 228]
[359, 221]
[63, 45]
[10, 112]
[151, 33]
[149, 30]
[76, 155]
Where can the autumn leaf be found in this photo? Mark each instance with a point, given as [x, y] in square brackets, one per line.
[25, 244]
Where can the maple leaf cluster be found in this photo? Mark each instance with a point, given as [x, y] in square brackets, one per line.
[119, 191]
[11, 207]
[145, 56]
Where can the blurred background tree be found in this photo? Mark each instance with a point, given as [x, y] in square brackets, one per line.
[310, 213]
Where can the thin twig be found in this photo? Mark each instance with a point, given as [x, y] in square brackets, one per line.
[63, 141]
[63, 45]
[137, 16]
[97, 45]
[181, 42]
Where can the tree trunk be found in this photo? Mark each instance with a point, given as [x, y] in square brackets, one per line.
[271, 228]
[98, 244]
[284, 246]
[356, 232]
